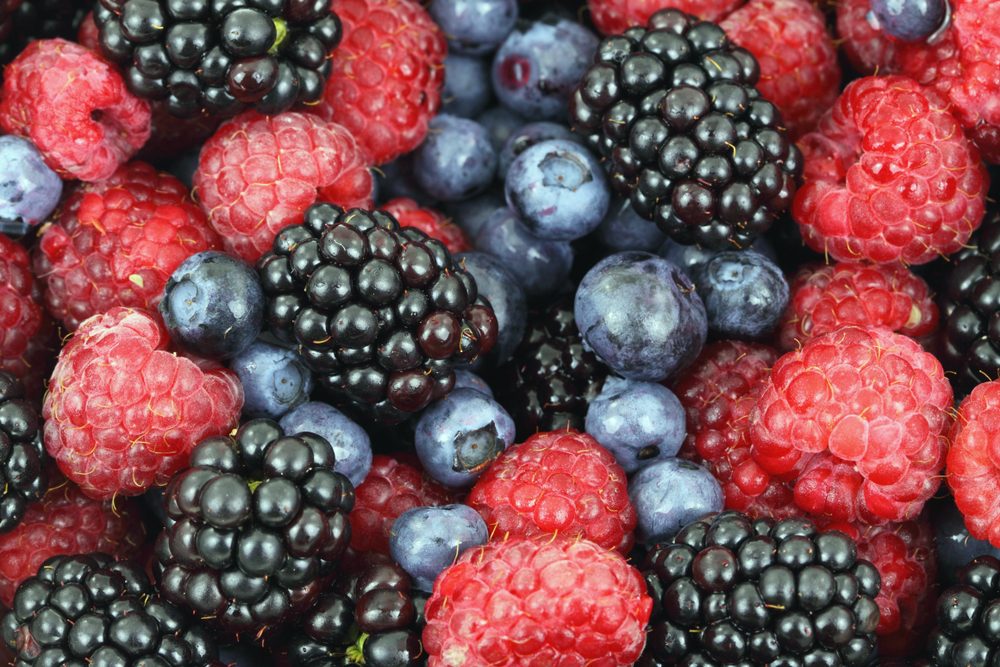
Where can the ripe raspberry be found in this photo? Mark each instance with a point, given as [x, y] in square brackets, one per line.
[117, 242]
[536, 603]
[391, 488]
[889, 176]
[557, 483]
[123, 411]
[612, 17]
[65, 522]
[258, 174]
[718, 392]
[868, 49]
[798, 61]
[28, 340]
[387, 75]
[827, 297]
[410, 214]
[75, 108]
[856, 419]
[974, 461]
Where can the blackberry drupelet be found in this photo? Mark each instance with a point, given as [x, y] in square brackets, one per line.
[256, 525]
[688, 137]
[23, 478]
[89, 611]
[24, 20]
[550, 381]
[221, 56]
[968, 618]
[380, 313]
[729, 590]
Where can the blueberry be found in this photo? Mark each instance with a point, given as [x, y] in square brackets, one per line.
[639, 422]
[470, 214]
[468, 380]
[689, 257]
[541, 267]
[955, 546]
[909, 20]
[351, 445]
[458, 437]
[474, 27]
[395, 179]
[558, 189]
[745, 294]
[640, 315]
[500, 123]
[274, 380]
[505, 294]
[456, 160]
[624, 229]
[466, 91]
[426, 540]
[670, 494]
[213, 305]
[527, 136]
[29, 190]
[538, 66]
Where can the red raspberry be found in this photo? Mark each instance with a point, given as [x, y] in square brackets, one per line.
[75, 107]
[65, 522]
[557, 483]
[430, 222]
[827, 297]
[718, 392]
[612, 17]
[889, 176]
[868, 49]
[117, 242]
[258, 174]
[798, 61]
[391, 488]
[537, 603]
[123, 411]
[856, 418]
[974, 461]
[387, 75]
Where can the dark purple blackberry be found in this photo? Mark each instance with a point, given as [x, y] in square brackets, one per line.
[23, 478]
[688, 137]
[730, 590]
[89, 611]
[380, 313]
[550, 381]
[221, 56]
[21, 21]
[968, 618]
[256, 525]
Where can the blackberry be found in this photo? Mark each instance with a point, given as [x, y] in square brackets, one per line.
[730, 590]
[21, 21]
[221, 56]
[89, 611]
[23, 478]
[688, 137]
[968, 618]
[550, 381]
[380, 313]
[255, 526]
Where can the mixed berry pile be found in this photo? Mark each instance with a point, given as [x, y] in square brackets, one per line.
[510, 333]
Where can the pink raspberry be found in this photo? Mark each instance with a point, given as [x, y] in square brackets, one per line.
[868, 49]
[411, 214]
[974, 461]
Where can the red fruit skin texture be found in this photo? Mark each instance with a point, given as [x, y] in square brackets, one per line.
[827, 297]
[391, 488]
[974, 461]
[868, 49]
[116, 242]
[561, 483]
[857, 420]
[410, 214]
[718, 393]
[66, 522]
[387, 75]
[798, 61]
[537, 603]
[123, 411]
[612, 17]
[75, 107]
[259, 174]
[889, 177]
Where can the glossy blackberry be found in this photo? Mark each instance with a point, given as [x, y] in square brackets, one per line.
[22, 457]
[89, 611]
[968, 618]
[550, 381]
[688, 137]
[381, 313]
[24, 20]
[729, 590]
[255, 526]
[221, 56]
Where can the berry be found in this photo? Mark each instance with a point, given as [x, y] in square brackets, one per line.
[74, 107]
[23, 474]
[500, 122]
[624, 229]
[498, 285]
[258, 174]
[613, 17]
[954, 545]
[469, 380]
[731, 590]
[258, 521]
[917, 187]
[123, 411]
[171, 136]
[410, 214]
[382, 314]
[474, 28]
[220, 57]
[856, 418]
[564, 601]
[274, 379]
[744, 292]
[541, 266]
[909, 20]
[117, 242]
[22, 21]
[865, 46]
[967, 626]
[689, 258]
[557, 483]
[351, 444]
[387, 76]
[527, 136]
[426, 540]
[670, 493]
[29, 190]
[689, 138]
[466, 91]
[456, 161]
[972, 467]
